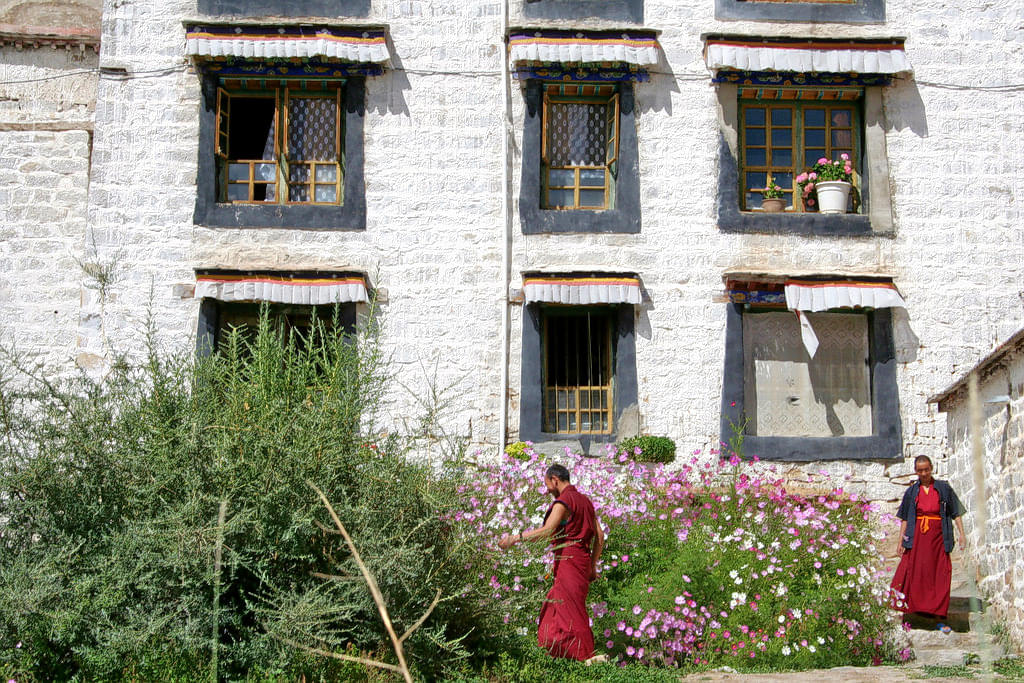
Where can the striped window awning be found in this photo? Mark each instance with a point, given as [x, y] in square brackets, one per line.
[814, 56]
[812, 296]
[364, 45]
[638, 48]
[582, 290]
[282, 289]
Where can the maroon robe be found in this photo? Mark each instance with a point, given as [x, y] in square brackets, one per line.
[564, 628]
[925, 571]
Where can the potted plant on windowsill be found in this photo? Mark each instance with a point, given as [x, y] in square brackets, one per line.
[827, 185]
[772, 198]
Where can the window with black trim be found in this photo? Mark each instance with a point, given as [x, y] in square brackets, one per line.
[842, 403]
[280, 142]
[580, 146]
[785, 131]
[579, 369]
[292, 321]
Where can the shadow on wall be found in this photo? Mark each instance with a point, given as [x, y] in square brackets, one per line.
[656, 93]
[386, 93]
[904, 108]
[905, 341]
[62, 14]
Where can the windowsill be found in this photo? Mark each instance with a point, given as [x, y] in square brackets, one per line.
[811, 448]
[285, 8]
[857, 12]
[346, 217]
[815, 224]
[539, 221]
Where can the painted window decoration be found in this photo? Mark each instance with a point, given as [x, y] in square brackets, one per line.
[280, 142]
[580, 145]
[785, 131]
[578, 383]
[789, 393]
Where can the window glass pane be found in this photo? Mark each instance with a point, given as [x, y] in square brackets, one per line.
[787, 393]
[782, 117]
[782, 137]
[266, 171]
[754, 116]
[269, 192]
[783, 180]
[238, 193]
[592, 177]
[560, 197]
[756, 179]
[841, 138]
[298, 173]
[811, 156]
[326, 173]
[326, 193]
[757, 157]
[312, 128]
[754, 200]
[814, 117]
[592, 198]
[563, 422]
[298, 193]
[238, 172]
[782, 156]
[842, 117]
[755, 136]
[561, 177]
[577, 135]
[814, 137]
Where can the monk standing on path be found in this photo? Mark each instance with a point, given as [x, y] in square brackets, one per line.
[573, 528]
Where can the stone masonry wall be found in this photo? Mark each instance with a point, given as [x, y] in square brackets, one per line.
[999, 562]
[437, 184]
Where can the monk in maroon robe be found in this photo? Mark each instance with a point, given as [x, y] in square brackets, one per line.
[574, 531]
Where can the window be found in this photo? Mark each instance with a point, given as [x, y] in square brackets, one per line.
[580, 171]
[841, 404]
[280, 144]
[283, 152]
[614, 10]
[815, 11]
[219, 318]
[578, 370]
[581, 145]
[784, 138]
[286, 8]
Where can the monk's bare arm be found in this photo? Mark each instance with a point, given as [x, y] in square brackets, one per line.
[558, 513]
[960, 528]
[899, 540]
[597, 547]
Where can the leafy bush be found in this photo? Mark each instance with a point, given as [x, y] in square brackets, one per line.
[520, 450]
[111, 496]
[649, 449]
[713, 564]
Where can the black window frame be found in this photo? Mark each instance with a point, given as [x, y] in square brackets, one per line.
[624, 394]
[612, 10]
[349, 215]
[623, 217]
[854, 12]
[285, 8]
[886, 441]
[211, 328]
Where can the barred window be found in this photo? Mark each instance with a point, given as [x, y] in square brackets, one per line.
[786, 130]
[280, 142]
[578, 382]
[580, 145]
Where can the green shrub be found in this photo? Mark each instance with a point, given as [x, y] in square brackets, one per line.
[111, 492]
[652, 448]
[519, 450]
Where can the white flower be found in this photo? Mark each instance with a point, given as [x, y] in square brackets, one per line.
[811, 648]
[782, 618]
[786, 650]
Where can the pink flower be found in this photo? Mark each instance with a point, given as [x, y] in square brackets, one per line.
[609, 644]
[844, 156]
[812, 176]
[823, 160]
[801, 178]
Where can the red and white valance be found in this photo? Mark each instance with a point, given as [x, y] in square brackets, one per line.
[288, 42]
[282, 289]
[639, 48]
[814, 56]
[812, 296]
[582, 290]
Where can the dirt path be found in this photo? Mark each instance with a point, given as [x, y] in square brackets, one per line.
[843, 674]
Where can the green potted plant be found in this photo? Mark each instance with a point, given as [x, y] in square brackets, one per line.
[772, 198]
[827, 185]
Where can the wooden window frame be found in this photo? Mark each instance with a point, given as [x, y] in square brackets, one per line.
[582, 93]
[282, 91]
[797, 101]
[573, 405]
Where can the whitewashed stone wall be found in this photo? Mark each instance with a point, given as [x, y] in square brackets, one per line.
[47, 96]
[437, 184]
[999, 563]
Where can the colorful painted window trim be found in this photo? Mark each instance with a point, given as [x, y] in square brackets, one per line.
[784, 131]
[580, 140]
[280, 141]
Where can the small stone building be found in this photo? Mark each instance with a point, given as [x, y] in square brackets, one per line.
[1000, 561]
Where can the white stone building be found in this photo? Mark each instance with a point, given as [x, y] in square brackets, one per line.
[317, 151]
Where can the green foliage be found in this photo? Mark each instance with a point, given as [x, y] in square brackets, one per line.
[652, 448]
[530, 664]
[518, 450]
[772, 189]
[111, 491]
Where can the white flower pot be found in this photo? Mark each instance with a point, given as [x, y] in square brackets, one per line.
[833, 196]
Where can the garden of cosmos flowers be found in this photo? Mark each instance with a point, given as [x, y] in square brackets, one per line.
[710, 564]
